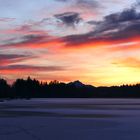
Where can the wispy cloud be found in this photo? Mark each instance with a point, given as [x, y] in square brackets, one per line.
[83, 3]
[5, 19]
[6, 59]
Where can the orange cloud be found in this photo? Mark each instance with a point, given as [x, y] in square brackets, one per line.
[128, 44]
[130, 62]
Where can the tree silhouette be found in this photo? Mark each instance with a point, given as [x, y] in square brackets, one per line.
[32, 88]
[4, 89]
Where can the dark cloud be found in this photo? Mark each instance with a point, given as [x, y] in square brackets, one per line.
[118, 21]
[119, 24]
[11, 56]
[126, 15]
[31, 68]
[6, 59]
[92, 22]
[76, 39]
[123, 25]
[69, 18]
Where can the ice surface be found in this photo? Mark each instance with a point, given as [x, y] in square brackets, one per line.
[70, 119]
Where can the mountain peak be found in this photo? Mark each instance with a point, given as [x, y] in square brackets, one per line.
[77, 83]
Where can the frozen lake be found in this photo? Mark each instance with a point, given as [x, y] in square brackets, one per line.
[70, 119]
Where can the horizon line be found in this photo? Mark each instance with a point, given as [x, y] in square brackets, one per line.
[49, 81]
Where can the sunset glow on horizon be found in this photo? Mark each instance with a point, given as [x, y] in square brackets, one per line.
[96, 42]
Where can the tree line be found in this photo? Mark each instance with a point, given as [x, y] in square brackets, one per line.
[32, 88]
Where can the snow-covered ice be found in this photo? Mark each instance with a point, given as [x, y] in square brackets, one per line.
[70, 119]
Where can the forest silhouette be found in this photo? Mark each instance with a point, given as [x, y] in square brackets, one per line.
[32, 88]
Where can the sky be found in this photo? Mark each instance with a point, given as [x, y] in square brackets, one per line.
[94, 41]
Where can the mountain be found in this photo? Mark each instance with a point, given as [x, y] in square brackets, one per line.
[79, 84]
